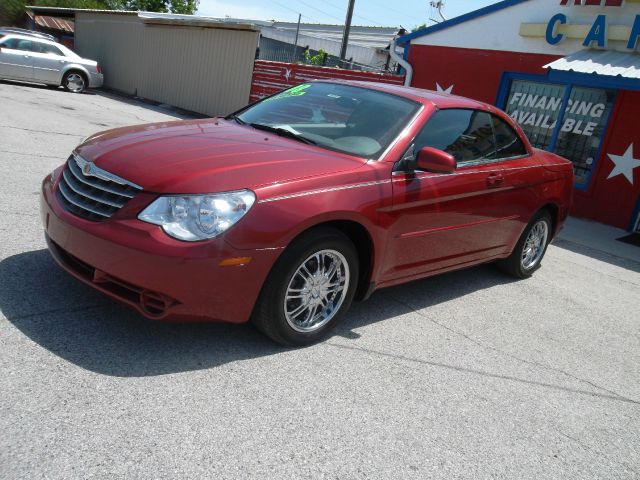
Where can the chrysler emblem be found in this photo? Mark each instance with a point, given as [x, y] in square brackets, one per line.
[89, 169]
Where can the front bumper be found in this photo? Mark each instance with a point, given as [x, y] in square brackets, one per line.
[139, 265]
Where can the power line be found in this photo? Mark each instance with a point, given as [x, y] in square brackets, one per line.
[340, 20]
[354, 14]
[341, 7]
[405, 15]
[295, 11]
[321, 11]
[368, 20]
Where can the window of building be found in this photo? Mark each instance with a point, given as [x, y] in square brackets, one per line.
[583, 128]
[536, 107]
[563, 119]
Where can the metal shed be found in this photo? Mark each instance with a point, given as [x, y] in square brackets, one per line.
[190, 62]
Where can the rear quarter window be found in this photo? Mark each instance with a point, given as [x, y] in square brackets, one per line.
[465, 134]
[47, 48]
[508, 142]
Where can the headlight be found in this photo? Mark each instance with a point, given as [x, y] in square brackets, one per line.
[198, 217]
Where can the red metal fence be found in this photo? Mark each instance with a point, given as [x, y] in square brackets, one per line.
[271, 77]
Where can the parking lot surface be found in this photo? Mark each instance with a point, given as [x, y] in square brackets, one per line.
[467, 375]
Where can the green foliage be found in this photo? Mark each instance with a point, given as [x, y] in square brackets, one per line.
[12, 11]
[185, 7]
[319, 59]
[419, 27]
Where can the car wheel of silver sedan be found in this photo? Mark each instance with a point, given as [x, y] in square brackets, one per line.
[309, 289]
[531, 247]
[74, 82]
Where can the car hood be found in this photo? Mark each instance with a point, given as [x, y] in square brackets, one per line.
[211, 155]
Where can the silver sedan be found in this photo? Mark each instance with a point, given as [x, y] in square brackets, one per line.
[31, 59]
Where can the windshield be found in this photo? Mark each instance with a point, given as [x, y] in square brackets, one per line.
[353, 120]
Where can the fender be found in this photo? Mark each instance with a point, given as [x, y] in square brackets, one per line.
[74, 66]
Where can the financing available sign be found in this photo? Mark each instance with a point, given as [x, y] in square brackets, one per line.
[541, 111]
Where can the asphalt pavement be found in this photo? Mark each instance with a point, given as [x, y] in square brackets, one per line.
[468, 375]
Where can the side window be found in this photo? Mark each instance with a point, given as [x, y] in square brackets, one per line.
[508, 143]
[12, 43]
[465, 134]
[46, 48]
[18, 44]
[26, 45]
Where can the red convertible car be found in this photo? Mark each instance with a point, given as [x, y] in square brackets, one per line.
[286, 211]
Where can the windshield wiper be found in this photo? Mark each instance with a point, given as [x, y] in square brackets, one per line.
[236, 118]
[283, 132]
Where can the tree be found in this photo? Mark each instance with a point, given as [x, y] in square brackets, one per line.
[185, 7]
[12, 11]
[419, 27]
[319, 59]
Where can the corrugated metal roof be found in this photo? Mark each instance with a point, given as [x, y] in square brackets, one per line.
[192, 21]
[149, 17]
[363, 36]
[609, 63]
[71, 11]
[55, 23]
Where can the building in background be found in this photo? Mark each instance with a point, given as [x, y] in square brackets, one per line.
[368, 47]
[197, 64]
[53, 21]
[568, 71]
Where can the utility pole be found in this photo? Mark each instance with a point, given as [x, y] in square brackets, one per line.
[295, 44]
[347, 28]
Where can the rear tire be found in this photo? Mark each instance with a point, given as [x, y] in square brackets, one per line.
[309, 289]
[528, 253]
[74, 82]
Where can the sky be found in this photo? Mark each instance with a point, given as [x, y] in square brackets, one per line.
[406, 13]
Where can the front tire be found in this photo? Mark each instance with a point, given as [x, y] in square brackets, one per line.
[74, 82]
[309, 289]
[527, 255]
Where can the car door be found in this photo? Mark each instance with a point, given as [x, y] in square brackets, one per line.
[444, 220]
[521, 176]
[16, 59]
[48, 60]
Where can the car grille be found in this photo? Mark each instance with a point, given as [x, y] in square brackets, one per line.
[92, 193]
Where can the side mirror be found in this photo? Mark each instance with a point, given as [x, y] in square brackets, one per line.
[437, 161]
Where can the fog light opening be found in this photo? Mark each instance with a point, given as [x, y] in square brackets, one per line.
[154, 303]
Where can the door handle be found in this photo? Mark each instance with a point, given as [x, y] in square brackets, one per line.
[495, 180]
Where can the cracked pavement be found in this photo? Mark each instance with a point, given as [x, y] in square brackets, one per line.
[466, 375]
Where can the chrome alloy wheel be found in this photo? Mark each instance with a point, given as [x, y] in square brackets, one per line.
[75, 83]
[535, 244]
[316, 291]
